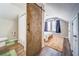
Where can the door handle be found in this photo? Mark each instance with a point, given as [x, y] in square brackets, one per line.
[28, 27]
[74, 35]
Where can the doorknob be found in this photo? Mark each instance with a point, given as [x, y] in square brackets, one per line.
[74, 35]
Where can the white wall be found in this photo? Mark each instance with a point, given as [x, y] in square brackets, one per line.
[55, 10]
[7, 27]
[22, 30]
[64, 28]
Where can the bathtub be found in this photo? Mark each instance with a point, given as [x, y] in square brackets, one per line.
[2, 41]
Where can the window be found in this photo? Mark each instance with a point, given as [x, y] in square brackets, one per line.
[53, 25]
[49, 26]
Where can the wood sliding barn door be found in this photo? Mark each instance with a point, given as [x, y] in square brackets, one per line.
[34, 30]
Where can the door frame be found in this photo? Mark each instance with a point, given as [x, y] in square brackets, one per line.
[74, 18]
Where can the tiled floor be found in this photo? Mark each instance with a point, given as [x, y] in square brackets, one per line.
[46, 51]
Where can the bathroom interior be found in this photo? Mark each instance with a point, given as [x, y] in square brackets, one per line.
[39, 29]
[11, 44]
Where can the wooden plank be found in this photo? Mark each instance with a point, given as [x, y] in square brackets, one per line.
[34, 31]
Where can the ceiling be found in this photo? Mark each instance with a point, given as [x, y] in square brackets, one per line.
[11, 10]
[62, 10]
